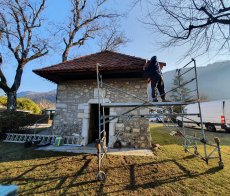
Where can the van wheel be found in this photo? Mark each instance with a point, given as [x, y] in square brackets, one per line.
[180, 123]
[210, 127]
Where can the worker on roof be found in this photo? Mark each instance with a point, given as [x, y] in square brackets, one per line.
[152, 69]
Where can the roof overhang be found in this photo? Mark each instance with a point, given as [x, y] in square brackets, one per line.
[58, 77]
[113, 65]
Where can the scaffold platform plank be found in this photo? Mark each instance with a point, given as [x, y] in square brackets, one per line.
[152, 115]
[141, 104]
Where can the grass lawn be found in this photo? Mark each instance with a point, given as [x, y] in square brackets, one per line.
[170, 172]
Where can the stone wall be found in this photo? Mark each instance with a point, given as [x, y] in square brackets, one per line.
[74, 101]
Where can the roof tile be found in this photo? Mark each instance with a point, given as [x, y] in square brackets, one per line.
[110, 61]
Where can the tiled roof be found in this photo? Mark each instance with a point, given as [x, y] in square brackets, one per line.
[110, 61]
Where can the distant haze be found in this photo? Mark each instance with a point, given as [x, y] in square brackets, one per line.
[213, 79]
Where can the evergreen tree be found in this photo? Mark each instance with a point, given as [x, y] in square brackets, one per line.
[180, 92]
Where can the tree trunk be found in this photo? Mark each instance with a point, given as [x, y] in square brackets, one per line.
[11, 101]
[12, 94]
[65, 55]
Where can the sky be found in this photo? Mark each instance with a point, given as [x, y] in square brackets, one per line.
[143, 43]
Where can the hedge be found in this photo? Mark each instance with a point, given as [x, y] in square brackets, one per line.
[17, 121]
[23, 104]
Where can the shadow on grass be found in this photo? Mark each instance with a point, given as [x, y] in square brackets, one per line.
[35, 178]
[61, 180]
[156, 182]
[30, 170]
[141, 176]
[17, 152]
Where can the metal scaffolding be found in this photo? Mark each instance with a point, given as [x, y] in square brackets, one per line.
[190, 141]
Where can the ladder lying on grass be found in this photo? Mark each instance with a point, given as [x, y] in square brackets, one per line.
[22, 138]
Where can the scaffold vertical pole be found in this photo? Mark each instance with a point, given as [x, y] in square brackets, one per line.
[100, 175]
[181, 108]
[99, 102]
[201, 119]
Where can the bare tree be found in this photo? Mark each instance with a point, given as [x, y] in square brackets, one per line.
[112, 38]
[19, 22]
[86, 20]
[202, 24]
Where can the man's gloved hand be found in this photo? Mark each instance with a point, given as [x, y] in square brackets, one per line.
[146, 63]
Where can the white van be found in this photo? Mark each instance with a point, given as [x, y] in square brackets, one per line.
[158, 115]
[214, 113]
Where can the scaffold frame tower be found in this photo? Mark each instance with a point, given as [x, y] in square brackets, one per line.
[190, 142]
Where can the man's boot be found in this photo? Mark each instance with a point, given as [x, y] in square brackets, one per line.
[165, 100]
[154, 100]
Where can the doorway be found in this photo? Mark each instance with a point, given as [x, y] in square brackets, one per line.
[94, 126]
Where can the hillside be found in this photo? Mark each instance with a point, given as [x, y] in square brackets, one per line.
[214, 80]
[39, 97]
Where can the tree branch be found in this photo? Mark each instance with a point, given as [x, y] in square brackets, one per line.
[40, 53]
[84, 23]
[3, 82]
[19, 21]
[193, 22]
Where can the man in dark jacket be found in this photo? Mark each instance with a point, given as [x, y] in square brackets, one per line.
[153, 71]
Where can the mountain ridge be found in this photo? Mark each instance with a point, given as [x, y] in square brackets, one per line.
[49, 96]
